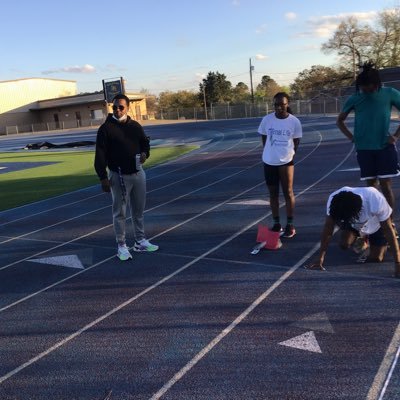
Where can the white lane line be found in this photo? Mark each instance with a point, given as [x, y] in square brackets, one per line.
[107, 226]
[385, 371]
[126, 303]
[52, 226]
[84, 189]
[201, 354]
[179, 375]
[390, 374]
[134, 298]
[233, 197]
[109, 258]
[102, 208]
[168, 277]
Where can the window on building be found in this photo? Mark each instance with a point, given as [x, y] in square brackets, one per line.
[96, 114]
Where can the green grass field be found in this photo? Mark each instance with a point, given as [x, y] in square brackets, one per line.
[71, 170]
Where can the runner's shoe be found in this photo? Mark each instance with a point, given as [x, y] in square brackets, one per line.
[289, 231]
[144, 245]
[277, 227]
[360, 245]
[123, 253]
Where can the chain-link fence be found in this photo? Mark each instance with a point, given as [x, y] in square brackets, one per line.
[49, 126]
[322, 104]
[327, 102]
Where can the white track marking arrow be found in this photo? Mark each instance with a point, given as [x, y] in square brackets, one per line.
[70, 261]
[307, 341]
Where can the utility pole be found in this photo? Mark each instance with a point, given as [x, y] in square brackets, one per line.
[251, 81]
[205, 102]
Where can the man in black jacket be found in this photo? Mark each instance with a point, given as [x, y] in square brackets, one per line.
[122, 147]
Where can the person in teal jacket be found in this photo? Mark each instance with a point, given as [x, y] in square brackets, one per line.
[375, 145]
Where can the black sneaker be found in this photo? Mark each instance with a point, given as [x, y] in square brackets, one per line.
[277, 227]
[289, 231]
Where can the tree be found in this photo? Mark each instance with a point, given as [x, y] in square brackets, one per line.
[357, 43]
[151, 102]
[175, 100]
[217, 88]
[353, 42]
[387, 39]
[240, 93]
[267, 88]
[311, 82]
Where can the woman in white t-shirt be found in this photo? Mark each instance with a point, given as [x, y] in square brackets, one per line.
[281, 133]
[360, 212]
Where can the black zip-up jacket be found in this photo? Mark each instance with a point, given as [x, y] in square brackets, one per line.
[117, 144]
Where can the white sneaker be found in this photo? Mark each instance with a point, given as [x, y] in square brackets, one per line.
[144, 245]
[123, 253]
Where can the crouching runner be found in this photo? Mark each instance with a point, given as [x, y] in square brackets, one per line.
[360, 212]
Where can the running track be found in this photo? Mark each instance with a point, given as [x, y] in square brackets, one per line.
[201, 318]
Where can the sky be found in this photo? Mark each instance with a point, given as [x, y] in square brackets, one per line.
[171, 45]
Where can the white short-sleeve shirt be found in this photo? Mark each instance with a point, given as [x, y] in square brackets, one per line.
[279, 147]
[375, 208]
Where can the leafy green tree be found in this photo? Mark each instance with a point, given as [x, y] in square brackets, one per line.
[240, 93]
[151, 102]
[313, 81]
[178, 100]
[217, 88]
[267, 88]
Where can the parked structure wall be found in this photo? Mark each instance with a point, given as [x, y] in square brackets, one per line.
[19, 95]
[32, 105]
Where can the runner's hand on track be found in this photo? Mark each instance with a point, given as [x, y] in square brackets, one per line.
[315, 266]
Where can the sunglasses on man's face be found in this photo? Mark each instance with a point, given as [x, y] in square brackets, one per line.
[121, 108]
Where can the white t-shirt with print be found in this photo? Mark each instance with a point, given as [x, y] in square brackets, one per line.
[279, 147]
[375, 208]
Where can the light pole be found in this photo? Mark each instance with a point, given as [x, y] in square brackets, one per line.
[251, 81]
[205, 102]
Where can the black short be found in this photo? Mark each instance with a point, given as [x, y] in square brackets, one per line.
[375, 239]
[271, 173]
[378, 163]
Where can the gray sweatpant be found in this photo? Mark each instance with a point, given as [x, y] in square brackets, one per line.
[135, 195]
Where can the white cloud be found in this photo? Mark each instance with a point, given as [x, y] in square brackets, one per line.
[236, 3]
[261, 57]
[85, 69]
[261, 29]
[324, 26]
[290, 16]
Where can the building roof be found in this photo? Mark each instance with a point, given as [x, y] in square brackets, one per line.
[85, 98]
[45, 79]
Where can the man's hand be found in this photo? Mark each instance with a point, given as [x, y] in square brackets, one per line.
[105, 185]
[392, 139]
[315, 266]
